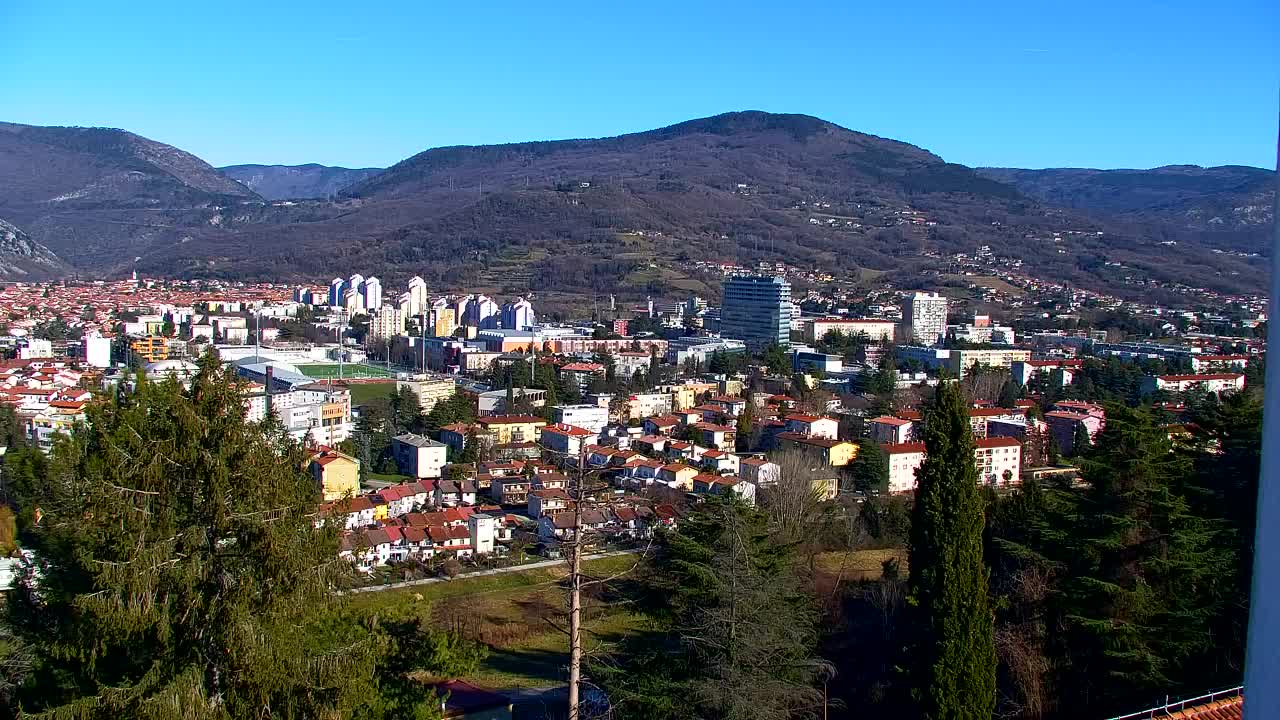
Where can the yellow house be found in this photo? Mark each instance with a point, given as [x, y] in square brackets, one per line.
[678, 475]
[512, 428]
[686, 395]
[337, 475]
[836, 453]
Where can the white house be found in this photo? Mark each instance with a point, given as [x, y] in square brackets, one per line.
[418, 455]
[812, 426]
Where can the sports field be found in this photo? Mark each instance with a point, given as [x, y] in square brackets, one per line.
[324, 371]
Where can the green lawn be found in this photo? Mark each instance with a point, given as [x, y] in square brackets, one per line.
[362, 393]
[516, 615]
[388, 477]
[324, 371]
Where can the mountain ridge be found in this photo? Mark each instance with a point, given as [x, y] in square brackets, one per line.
[628, 213]
[287, 182]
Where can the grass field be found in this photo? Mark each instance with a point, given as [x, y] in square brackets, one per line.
[993, 283]
[324, 371]
[516, 615]
[362, 393]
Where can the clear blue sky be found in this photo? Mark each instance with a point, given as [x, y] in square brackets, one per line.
[1122, 83]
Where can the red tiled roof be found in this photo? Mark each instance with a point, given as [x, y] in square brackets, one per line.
[992, 442]
[904, 448]
[1201, 378]
[894, 421]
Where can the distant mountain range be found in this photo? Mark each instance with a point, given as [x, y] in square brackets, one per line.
[284, 182]
[625, 215]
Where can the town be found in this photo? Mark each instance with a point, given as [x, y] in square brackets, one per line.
[452, 430]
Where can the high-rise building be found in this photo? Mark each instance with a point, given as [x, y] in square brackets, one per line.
[924, 317]
[352, 301]
[518, 315]
[371, 290]
[443, 322]
[387, 322]
[336, 286]
[482, 312]
[417, 296]
[757, 310]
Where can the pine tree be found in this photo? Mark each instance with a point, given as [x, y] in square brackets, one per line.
[1144, 574]
[869, 469]
[181, 568]
[723, 585]
[952, 663]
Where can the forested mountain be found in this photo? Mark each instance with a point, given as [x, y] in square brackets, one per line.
[98, 197]
[626, 214]
[284, 182]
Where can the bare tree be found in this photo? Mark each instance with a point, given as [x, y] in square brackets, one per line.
[794, 502]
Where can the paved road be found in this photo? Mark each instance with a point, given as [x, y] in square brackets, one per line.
[482, 573]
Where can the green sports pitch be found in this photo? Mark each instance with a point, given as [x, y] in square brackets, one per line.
[324, 371]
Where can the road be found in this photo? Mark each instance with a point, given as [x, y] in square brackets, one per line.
[482, 573]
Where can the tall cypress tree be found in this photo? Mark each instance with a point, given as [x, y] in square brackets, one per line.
[181, 567]
[953, 661]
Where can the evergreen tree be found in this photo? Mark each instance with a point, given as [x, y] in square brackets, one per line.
[723, 583]
[180, 568]
[1010, 393]
[869, 469]
[1143, 573]
[744, 427]
[1081, 442]
[952, 664]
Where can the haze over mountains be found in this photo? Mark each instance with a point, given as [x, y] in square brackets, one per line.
[284, 182]
[624, 214]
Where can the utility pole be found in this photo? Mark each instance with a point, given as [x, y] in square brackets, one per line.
[575, 589]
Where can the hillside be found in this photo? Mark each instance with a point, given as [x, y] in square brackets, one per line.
[21, 258]
[1229, 207]
[97, 196]
[285, 182]
[626, 215]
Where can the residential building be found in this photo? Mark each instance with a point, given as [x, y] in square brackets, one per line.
[1219, 363]
[97, 350]
[566, 440]
[512, 428]
[812, 425]
[1216, 383]
[418, 455]
[677, 475]
[876, 330]
[429, 389]
[998, 460]
[591, 417]
[886, 430]
[924, 318]
[518, 315]
[336, 474]
[386, 323]
[836, 453]
[959, 362]
[152, 348]
[1060, 372]
[643, 405]
[758, 471]
[700, 349]
[708, 484]
[757, 310]
[581, 374]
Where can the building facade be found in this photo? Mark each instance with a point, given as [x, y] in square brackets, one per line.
[757, 310]
[924, 317]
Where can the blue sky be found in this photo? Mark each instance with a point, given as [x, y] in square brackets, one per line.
[1123, 83]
